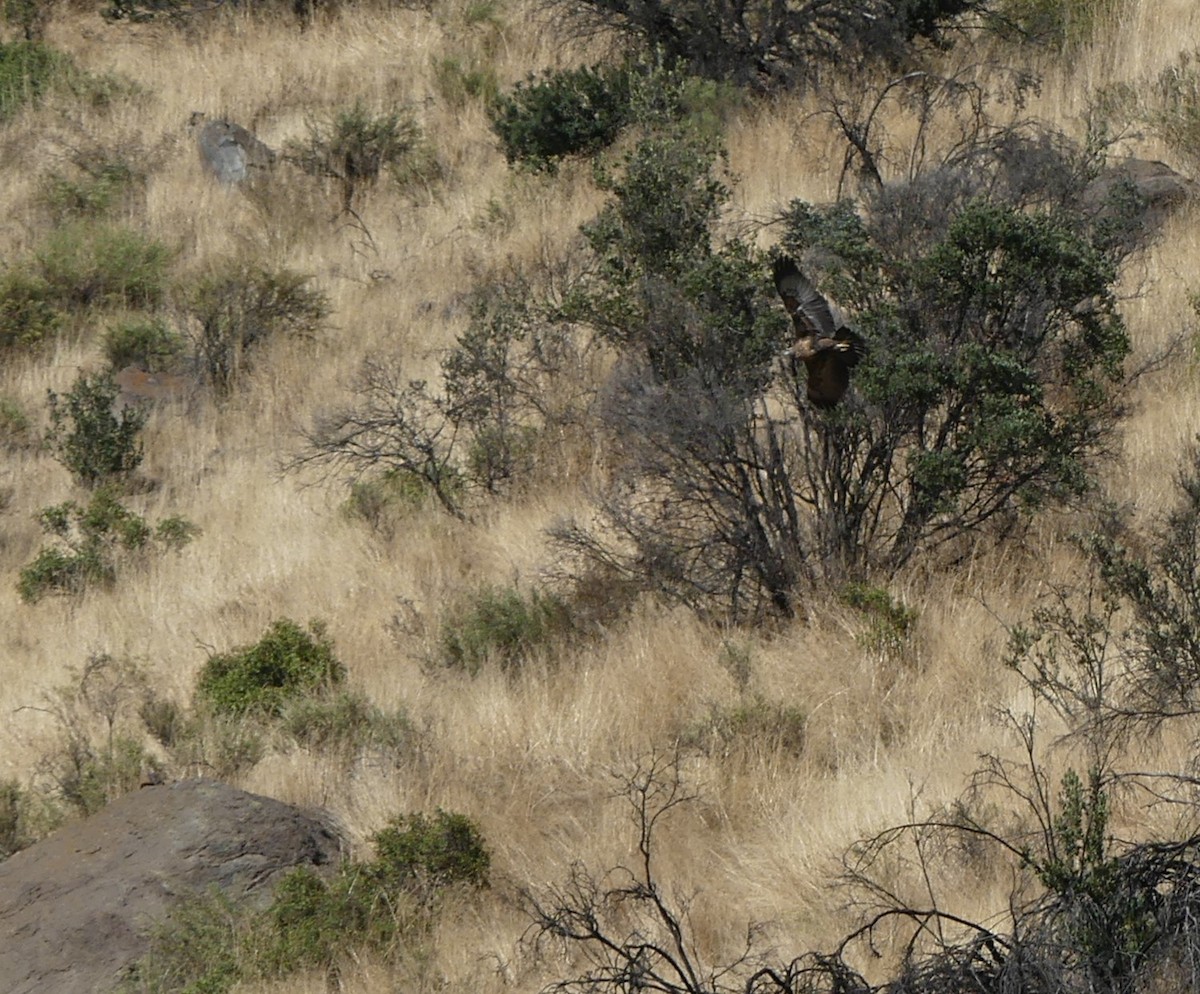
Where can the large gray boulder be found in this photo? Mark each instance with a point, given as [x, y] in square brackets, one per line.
[230, 152]
[74, 907]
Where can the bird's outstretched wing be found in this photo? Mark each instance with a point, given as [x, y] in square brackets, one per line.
[809, 310]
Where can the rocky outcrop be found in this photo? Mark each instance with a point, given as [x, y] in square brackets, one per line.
[74, 907]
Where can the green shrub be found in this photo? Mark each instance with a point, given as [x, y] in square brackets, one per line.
[348, 722]
[240, 305]
[563, 113]
[87, 264]
[353, 146]
[16, 818]
[891, 623]
[1174, 106]
[383, 906]
[500, 625]
[380, 499]
[89, 541]
[148, 343]
[28, 311]
[90, 436]
[286, 663]
[432, 852]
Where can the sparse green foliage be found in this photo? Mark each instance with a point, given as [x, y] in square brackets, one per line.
[28, 311]
[462, 80]
[891, 622]
[16, 427]
[383, 906]
[28, 69]
[1174, 105]
[25, 817]
[90, 436]
[347, 722]
[500, 625]
[240, 305]
[100, 182]
[90, 543]
[1061, 24]
[354, 145]
[28, 16]
[87, 264]
[286, 663]
[753, 726]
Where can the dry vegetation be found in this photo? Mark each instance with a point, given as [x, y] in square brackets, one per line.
[530, 755]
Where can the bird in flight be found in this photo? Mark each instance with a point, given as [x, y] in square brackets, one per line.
[828, 352]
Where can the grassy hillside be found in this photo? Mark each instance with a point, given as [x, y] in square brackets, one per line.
[798, 738]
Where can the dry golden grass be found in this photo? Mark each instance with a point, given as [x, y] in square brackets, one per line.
[530, 757]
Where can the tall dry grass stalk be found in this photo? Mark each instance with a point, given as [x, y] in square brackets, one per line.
[530, 757]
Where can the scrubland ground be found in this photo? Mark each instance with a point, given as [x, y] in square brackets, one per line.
[886, 733]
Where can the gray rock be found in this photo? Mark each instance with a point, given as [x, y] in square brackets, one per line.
[230, 152]
[74, 907]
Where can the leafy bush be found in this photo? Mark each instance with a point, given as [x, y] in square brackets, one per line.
[90, 436]
[286, 663]
[89, 542]
[148, 343]
[562, 113]
[240, 305]
[86, 264]
[353, 146]
[500, 625]
[416, 850]
[891, 622]
[993, 380]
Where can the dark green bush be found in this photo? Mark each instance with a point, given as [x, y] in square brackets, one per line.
[91, 435]
[148, 343]
[240, 305]
[500, 625]
[891, 622]
[416, 850]
[286, 663]
[1058, 24]
[562, 113]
